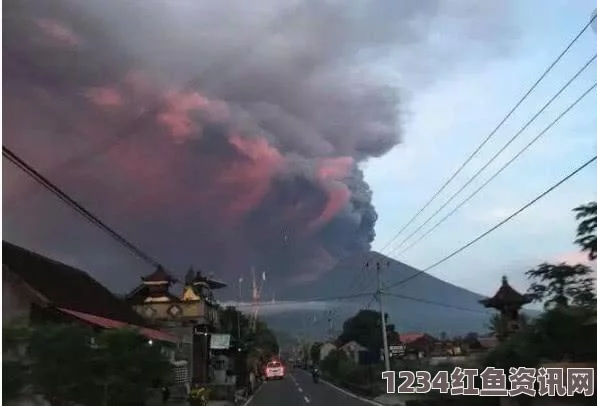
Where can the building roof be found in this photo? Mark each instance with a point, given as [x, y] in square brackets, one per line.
[159, 275]
[106, 323]
[407, 338]
[211, 283]
[352, 345]
[505, 295]
[142, 292]
[65, 286]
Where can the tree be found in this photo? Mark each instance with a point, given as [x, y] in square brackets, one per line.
[337, 364]
[62, 363]
[70, 363]
[364, 328]
[561, 285]
[15, 374]
[127, 364]
[230, 319]
[315, 352]
[586, 232]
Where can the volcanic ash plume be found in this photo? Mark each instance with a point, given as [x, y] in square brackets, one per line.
[249, 119]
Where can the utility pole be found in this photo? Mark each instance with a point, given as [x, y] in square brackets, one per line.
[384, 332]
[240, 301]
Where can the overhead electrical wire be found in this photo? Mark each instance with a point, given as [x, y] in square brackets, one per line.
[499, 152]
[502, 168]
[433, 302]
[489, 136]
[70, 202]
[495, 227]
[346, 297]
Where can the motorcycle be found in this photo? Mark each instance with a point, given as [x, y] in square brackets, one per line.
[316, 374]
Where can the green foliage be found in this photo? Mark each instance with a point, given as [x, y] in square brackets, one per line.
[561, 334]
[62, 363]
[145, 365]
[337, 364]
[586, 232]
[260, 344]
[14, 378]
[315, 352]
[15, 375]
[364, 328]
[69, 363]
[561, 285]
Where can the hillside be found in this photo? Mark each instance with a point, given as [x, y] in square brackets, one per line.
[311, 320]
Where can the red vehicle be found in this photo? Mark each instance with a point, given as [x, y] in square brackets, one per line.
[274, 370]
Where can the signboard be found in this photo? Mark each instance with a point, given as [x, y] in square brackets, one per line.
[397, 350]
[219, 342]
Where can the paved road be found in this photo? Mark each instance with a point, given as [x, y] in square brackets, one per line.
[298, 389]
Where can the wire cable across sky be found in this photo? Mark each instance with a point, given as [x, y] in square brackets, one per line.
[501, 150]
[498, 225]
[489, 136]
[501, 169]
[70, 202]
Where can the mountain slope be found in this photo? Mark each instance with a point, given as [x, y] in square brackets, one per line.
[422, 314]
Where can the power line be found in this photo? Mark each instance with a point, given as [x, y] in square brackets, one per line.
[43, 181]
[502, 168]
[498, 225]
[432, 302]
[498, 153]
[491, 134]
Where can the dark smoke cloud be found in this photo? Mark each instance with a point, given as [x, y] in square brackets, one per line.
[264, 112]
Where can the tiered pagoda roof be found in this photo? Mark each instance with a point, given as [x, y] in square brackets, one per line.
[158, 276]
[506, 295]
[212, 284]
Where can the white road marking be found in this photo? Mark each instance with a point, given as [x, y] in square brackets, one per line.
[307, 399]
[352, 395]
[252, 396]
[300, 389]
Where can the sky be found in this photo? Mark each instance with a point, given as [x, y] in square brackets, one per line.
[311, 145]
[466, 107]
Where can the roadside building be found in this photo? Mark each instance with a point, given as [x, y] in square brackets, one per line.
[38, 289]
[508, 302]
[418, 345]
[192, 317]
[352, 350]
[325, 350]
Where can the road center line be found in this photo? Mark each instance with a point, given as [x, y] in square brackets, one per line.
[307, 399]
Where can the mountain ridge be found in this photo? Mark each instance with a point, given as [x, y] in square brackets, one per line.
[423, 303]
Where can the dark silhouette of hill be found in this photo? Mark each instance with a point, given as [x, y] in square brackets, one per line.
[407, 315]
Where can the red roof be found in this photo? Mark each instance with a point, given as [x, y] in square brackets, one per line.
[408, 338]
[109, 323]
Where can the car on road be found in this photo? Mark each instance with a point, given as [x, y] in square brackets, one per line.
[275, 370]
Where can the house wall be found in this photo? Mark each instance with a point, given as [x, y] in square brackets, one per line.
[325, 350]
